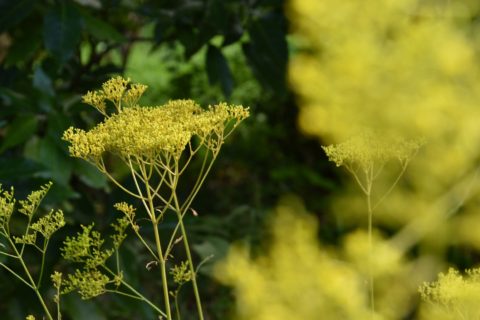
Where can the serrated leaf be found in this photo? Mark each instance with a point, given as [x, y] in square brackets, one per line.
[62, 31]
[218, 70]
[21, 129]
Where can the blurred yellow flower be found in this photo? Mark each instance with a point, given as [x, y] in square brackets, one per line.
[295, 278]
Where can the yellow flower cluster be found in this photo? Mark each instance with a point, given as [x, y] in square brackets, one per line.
[7, 203]
[149, 131]
[49, 224]
[369, 148]
[30, 205]
[88, 283]
[180, 273]
[118, 91]
[453, 296]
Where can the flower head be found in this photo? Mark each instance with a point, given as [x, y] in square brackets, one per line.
[369, 147]
[149, 131]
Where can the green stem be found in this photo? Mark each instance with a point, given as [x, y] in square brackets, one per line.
[176, 306]
[163, 270]
[32, 282]
[195, 190]
[16, 275]
[138, 294]
[178, 210]
[42, 267]
[162, 259]
[59, 314]
[370, 243]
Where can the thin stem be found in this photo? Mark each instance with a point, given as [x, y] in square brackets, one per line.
[42, 267]
[163, 270]
[194, 192]
[147, 185]
[59, 313]
[199, 178]
[139, 189]
[162, 260]
[177, 309]
[16, 275]
[187, 247]
[145, 244]
[354, 174]
[138, 294]
[404, 168]
[8, 255]
[125, 294]
[118, 184]
[26, 231]
[370, 254]
[368, 193]
[32, 282]
[172, 238]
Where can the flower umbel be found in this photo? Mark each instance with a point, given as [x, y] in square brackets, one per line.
[369, 148]
[149, 131]
[157, 145]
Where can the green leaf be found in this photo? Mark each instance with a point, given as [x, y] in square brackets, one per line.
[100, 29]
[218, 70]
[12, 102]
[267, 51]
[211, 250]
[42, 82]
[62, 31]
[21, 129]
[46, 152]
[24, 48]
[90, 175]
[77, 309]
[17, 168]
[13, 12]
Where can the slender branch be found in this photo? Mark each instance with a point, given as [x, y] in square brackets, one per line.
[31, 281]
[158, 244]
[118, 184]
[8, 255]
[387, 193]
[17, 275]
[138, 294]
[187, 247]
[42, 267]
[356, 178]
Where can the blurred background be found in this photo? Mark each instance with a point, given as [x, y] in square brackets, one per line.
[312, 73]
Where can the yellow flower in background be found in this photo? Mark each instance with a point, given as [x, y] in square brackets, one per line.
[296, 278]
[453, 296]
[401, 65]
[407, 69]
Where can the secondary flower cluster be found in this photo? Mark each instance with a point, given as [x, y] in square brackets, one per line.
[369, 148]
[452, 296]
[149, 131]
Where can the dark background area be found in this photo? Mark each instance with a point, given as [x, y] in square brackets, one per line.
[52, 52]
